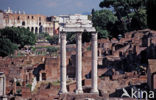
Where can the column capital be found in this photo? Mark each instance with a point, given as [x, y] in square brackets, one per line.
[63, 36]
[94, 36]
[79, 36]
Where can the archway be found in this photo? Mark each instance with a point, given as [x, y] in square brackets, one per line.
[36, 30]
[28, 28]
[32, 29]
[40, 29]
[23, 23]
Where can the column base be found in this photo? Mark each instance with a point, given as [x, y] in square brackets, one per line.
[94, 91]
[3, 98]
[62, 92]
[79, 91]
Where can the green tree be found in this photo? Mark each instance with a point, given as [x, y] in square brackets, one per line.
[151, 16]
[86, 37]
[128, 12]
[139, 20]
[7, 47]
[103, 21]
[54, 39]
[12, 38]
[71, 38]
[43, 35]
[20, 36]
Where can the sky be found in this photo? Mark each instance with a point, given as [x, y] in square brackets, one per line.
[51, 7]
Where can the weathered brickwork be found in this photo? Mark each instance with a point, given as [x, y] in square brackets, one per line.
[117, 63]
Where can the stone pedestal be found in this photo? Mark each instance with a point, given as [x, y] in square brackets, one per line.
[2, 86]
[63, 88]
[79, 63]
[94, 64]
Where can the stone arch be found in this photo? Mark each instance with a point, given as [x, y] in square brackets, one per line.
[40, 24]
[48, 29]
[43, 76]
[98, 53]
[32, 29]
[23, 23]
[28, 28]
[36, 30]
[45, 29]
[18, 18]
[40, 29]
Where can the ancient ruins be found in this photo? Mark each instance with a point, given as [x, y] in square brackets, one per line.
[35, 23]
[77, 25]
[97, 70]
[2, 86]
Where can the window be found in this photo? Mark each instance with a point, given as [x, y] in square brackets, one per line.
[28, 17]
[39, 18]
[23, 23]
[43, 76]
[18, 18]
[32, 17]
[40, 24]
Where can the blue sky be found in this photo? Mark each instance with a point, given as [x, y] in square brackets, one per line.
[51, 7]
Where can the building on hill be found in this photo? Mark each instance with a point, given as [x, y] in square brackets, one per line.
[35, 23]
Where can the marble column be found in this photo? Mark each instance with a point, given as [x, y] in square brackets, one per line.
[2, 85]
[79, 63]
[94, 64]
[63, 88]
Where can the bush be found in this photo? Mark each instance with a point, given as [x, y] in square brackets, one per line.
[7, 47]
[20, 36]
[52, 49]
[12, 38]
[53, 40]
[29, 86]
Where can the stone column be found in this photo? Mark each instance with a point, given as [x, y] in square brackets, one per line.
[79, 63]
[2, 85]
[94, 64]
[59, 38]
[63, 88]
[40, 77]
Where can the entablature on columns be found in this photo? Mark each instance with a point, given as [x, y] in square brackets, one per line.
[78, 29]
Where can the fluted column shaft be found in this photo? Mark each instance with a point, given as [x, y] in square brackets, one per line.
[40, 76]
[63, 88]
[94, 64]
[79, 63]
